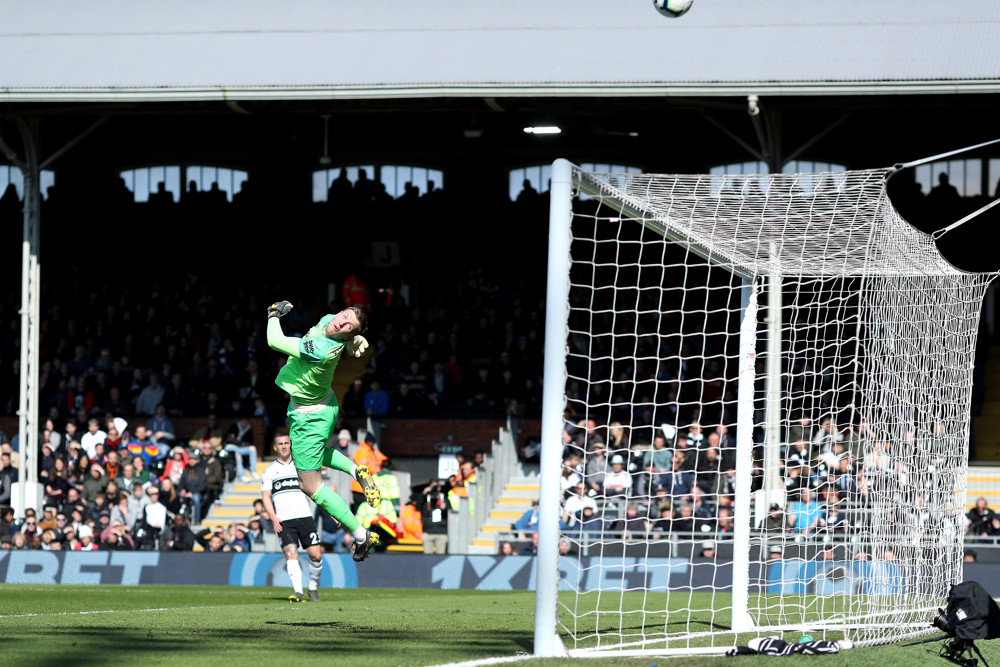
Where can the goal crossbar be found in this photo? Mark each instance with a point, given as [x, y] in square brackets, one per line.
[669, 212]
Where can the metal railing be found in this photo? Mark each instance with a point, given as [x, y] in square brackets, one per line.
[499, 465]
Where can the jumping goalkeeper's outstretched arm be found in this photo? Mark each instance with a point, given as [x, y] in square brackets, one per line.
[341, 328]
[276, 338]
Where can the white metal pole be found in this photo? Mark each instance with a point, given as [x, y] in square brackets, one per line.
[741, 620]
[547, 643]
[22, 409]
[772, 416]
[27, 412]
[28, 489]
[32, 192]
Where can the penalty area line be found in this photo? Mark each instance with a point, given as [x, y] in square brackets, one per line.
[488, 661]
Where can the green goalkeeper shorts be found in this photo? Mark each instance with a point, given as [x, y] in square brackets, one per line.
[310, 427]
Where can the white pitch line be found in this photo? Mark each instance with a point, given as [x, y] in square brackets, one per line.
[100, 611]
[488, 661]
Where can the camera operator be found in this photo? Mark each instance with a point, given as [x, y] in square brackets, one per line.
[434, 513]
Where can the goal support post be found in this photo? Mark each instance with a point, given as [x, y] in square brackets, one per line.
[547, 642]
[741, 621]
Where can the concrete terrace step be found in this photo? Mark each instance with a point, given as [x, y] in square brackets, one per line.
[521, 493]
[493, 528]
[517, 496]
[405, 544]
[235, 504]
[991, 496]
[482, 551]
[984, 482]
[231, 511]
[520, 502]
[239, 500]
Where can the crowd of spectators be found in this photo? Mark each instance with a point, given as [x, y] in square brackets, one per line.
[125, 355]
[642, 484]
[115, 502]
[144, 496]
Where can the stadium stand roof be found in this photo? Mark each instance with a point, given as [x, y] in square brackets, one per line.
[115, 50]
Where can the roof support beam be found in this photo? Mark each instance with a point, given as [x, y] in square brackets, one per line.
[72, 142]
[732, 135]
[819, 135]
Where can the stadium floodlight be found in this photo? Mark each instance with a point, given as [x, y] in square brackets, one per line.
[780, 307]
[543, 129]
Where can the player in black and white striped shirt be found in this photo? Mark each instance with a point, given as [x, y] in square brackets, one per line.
[291, 515]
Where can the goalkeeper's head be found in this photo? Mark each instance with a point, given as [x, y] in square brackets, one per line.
[347, 324]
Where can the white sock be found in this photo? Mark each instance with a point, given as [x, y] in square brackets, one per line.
[360, 534]
[354, 470]
[295, 573]
[314, 571]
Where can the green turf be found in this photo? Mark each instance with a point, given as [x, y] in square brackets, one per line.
[106, 625]
[702, 619]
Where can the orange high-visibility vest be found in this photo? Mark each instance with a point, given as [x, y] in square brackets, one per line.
[413, 525]
[355, 293]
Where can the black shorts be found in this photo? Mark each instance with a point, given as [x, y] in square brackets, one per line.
[299, 531]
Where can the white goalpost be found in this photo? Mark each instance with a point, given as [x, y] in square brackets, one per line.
[778, 369]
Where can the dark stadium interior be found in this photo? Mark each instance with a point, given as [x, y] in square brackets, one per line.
[96, 241]
[280, 143]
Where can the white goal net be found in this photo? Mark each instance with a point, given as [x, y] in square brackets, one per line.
[764, 387]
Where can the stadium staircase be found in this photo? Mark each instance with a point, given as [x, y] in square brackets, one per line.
[517, 495]
[504, 489]
[235, 503]
[984, 482]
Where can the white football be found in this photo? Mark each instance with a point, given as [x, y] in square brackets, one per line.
[673, 8]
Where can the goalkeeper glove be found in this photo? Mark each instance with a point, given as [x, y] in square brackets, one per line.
[279, 309]
[359, 346]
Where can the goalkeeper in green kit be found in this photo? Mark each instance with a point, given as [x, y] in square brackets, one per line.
[312, 410]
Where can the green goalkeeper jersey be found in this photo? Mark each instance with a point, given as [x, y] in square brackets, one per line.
[309, 379]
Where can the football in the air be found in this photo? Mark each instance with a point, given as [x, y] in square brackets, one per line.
[673, 8]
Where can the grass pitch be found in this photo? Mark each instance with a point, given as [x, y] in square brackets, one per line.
[151, 625]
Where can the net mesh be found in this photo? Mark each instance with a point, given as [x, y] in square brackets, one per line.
[858, 478]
